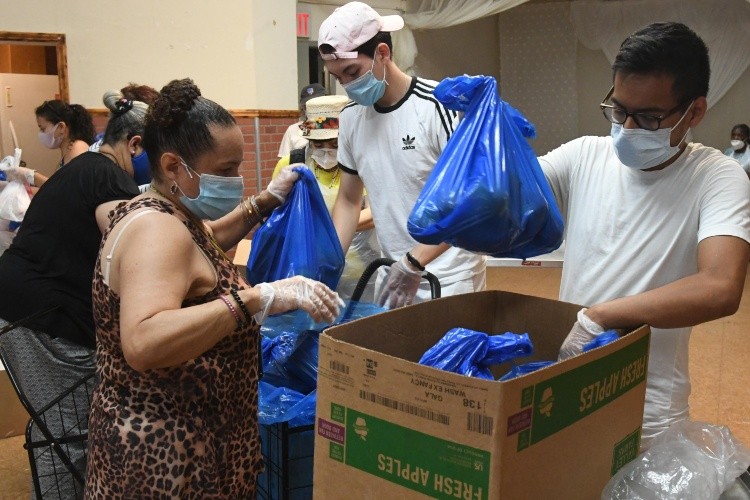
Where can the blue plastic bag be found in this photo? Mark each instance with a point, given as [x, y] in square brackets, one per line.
[289, 351]
[298, 239]
[468, 352]
[487, 192]
[601, 339]
[281, 404]
[525, 368]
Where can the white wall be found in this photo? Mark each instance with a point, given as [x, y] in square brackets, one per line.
[470, 48]
[241, 53]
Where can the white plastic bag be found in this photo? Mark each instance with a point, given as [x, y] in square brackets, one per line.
[690, 460]
[14, 200]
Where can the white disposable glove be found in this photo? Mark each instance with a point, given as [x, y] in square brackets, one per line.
[7, 162]
[584, 331]
[283, 182]
[312, 296]
[21, 174]
[401, 285]
[13, 173]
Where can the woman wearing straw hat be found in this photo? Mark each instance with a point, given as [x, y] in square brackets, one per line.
[321, 129]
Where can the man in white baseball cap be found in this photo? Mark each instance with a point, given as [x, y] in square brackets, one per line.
[389, 141]
[351, 26]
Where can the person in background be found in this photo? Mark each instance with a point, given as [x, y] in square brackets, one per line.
[51, 264]
[657, 228]
[739, 151]
[63, 126]
[321, 129]
[174, 414]
[292, 138]
[133, 92]
[389, 141]
[67, 127]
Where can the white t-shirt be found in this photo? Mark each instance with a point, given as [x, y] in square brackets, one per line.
[743, 158]
[291, 140]
[630, 231]
[393, 150]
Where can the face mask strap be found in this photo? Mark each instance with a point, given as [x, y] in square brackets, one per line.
[187, 169]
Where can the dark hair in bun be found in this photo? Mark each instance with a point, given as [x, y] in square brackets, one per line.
[127, 120]
[178, 121]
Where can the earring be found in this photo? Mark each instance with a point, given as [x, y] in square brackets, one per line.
[173, 188]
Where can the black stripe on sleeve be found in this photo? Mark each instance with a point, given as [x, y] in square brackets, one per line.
[348, 170]
[424, 91]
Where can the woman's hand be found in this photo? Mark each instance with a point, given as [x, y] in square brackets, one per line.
[280, 186]
[315, 298]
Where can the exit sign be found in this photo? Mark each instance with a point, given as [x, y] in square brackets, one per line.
[303, 25]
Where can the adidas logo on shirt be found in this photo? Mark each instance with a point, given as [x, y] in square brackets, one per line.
[408, 142]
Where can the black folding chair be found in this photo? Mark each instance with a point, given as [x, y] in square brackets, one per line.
[58, 435]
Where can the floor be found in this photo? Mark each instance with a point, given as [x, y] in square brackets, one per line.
[719, 364]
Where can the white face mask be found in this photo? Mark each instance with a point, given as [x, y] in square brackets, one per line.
[325, 157]
[49, 140]
[737, 144]
[643, 149]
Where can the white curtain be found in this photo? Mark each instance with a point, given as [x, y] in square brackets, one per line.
[434, 14]
[723, 24]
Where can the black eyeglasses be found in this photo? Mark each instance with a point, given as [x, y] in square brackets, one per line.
[646, 121]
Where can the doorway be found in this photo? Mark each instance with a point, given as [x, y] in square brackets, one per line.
[33, 68]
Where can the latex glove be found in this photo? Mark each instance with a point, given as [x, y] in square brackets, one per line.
[7, 162]
[401, 285]
[319, 301]
[584, 331]
[280, 186]
[21, 174]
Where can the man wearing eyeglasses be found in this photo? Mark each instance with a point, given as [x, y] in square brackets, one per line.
[657, 228]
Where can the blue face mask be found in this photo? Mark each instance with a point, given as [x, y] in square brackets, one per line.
[366, 90]
[643, 149]
[217, 196]
[141, 168]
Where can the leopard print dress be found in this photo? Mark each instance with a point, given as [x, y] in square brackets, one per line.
[188, 431]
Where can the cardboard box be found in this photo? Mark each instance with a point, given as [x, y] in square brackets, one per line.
[13, 416]
[388, 427]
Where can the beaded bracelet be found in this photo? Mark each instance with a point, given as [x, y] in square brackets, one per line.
[243, 307]
[232, 310]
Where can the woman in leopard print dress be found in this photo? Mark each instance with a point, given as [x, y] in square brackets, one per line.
[174, 413]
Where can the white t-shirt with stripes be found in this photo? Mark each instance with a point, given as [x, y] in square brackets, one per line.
[393, 150]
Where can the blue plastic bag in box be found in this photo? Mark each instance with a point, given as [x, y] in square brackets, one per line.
[525, 368]
[298, 239]
[487, 192]
[468, 352]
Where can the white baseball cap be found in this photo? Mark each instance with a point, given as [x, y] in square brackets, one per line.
[350, 26]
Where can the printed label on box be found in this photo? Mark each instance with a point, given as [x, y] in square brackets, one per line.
[418, 461]
[626, 450]
[563, 400]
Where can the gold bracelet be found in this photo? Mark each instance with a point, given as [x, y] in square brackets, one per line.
[255, 207]
[247, 213]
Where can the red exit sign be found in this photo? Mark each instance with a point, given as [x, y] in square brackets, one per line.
[303, 25]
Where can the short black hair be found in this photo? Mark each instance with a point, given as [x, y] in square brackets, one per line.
[670, 48]
[743, 128]
[367, 48]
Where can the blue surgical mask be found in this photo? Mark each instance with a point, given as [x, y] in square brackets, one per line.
[366, 90]
[643, 149]
[141, 168]
[217, 196]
